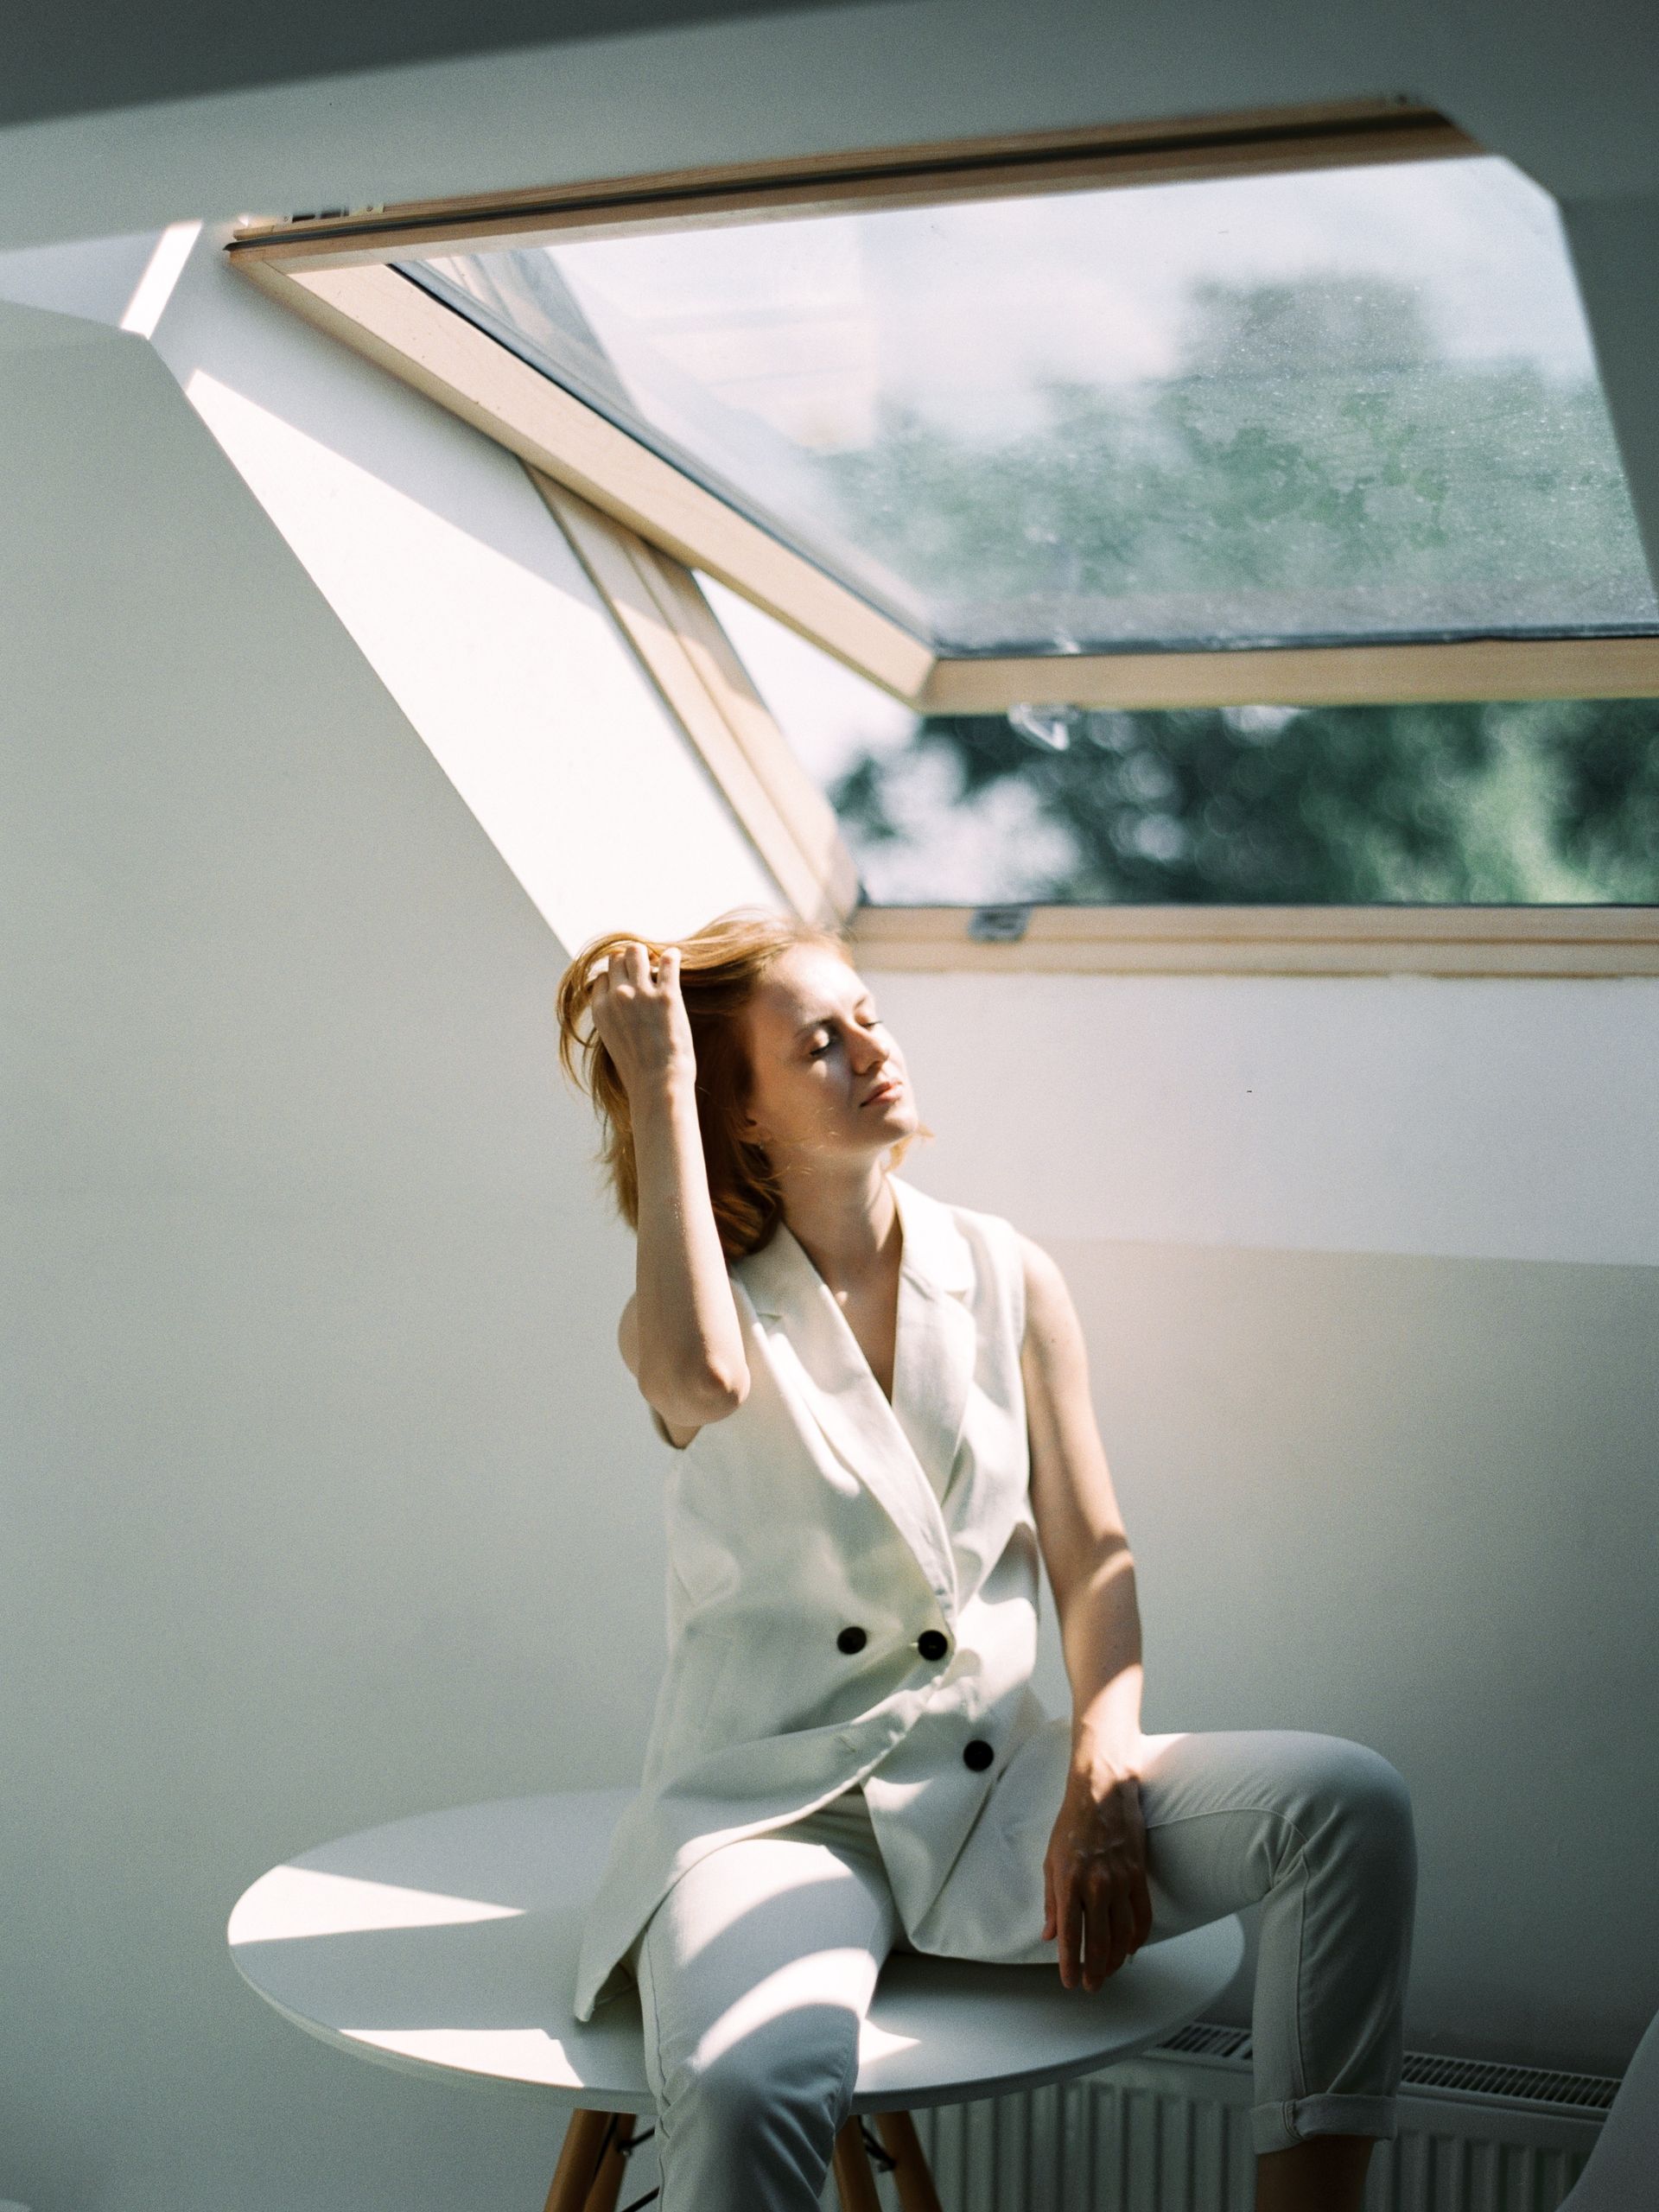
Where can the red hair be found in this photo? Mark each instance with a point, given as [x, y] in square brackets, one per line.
[720, 966]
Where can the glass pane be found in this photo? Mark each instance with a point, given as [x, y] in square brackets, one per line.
[1299, 409]
[1551, 802]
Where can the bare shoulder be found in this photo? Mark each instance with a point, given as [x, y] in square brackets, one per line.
[1046, 1288]
[1042, 1268]
[1051, 1316]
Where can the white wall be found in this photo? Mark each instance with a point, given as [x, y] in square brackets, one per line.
[434, 549]
[1426, 1114]
[316, 1432]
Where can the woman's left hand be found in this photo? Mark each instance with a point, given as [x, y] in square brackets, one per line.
[1095, 1891]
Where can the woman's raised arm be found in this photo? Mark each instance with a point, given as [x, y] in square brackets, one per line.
[681, 1323]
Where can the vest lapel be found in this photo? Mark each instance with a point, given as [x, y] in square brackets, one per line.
[902, 1453]
[933, 1365]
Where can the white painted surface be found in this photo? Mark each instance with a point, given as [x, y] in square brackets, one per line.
[939, 2031]
[436, 553]
[296, 1902]
[1472, 1119]
[151, 294]
[314, 1413]
[98, 278]
[1565, 97]
[430, 546]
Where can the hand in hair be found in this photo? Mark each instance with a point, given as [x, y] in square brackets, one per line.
[640, 1018]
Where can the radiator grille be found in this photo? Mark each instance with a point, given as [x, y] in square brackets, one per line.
[1463, 2077]
[1170, 2132]
[1202, 2039]
[1470, 2077]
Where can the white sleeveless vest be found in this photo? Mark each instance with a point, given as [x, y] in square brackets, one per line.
[819, 1509]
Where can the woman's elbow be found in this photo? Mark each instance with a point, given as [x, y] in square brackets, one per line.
[693, 1402]
[727, 1391]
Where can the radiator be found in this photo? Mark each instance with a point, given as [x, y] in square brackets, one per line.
[1169, 2131]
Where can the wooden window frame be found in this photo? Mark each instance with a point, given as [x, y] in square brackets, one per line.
[336, 269]
[680, 642]
[640, 525]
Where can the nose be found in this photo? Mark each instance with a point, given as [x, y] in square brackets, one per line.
[871, 1054]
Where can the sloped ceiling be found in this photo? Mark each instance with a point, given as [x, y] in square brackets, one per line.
[92, 54]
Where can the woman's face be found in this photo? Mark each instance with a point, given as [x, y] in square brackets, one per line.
[828, 1076]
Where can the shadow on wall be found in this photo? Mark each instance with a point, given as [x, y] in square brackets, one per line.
[328, 1500]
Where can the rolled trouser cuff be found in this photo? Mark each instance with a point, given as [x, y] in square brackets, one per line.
[1293, 2119]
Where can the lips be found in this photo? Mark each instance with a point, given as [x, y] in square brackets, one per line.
[889, 1090]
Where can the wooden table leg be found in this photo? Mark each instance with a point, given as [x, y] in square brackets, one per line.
[608, 2183]
[579, 2161]
[588, 2177]
[854, 2179]
[910, 2170]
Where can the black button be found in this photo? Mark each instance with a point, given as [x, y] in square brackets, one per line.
[932, 1643]
[978, 1754]
[851, 1639]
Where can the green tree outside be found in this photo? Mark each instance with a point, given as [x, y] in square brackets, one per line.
[1316, 468]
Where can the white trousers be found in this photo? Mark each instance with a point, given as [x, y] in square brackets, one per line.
[758, 1966]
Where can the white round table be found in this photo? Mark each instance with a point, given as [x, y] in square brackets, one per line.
[446, 1944]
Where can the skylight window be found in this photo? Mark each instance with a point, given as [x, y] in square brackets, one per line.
[1327, 406]
[1099, 542]
[1544, 803]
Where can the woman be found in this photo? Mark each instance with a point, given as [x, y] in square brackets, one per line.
[880, 1407]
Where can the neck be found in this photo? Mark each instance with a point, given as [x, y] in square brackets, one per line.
[846, 1221]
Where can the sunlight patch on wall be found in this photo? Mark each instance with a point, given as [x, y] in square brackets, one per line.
[161, 273]
[516, 680]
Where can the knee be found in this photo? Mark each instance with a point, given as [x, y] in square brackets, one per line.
[1376, 1792]
[1363, 1807]
[768, 2088]
[731, 2097]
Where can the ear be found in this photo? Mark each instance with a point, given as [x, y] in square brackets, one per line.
[749, 1125]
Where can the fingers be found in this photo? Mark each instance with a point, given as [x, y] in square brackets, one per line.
[1062, 1918]
[1119, 1938]
[1098, 1932]
[634, 962]
[1070, 1932]
[1096, 1897]
[1101, 1918]
[628, 965]
[1107, 1930]
[1140, 1890]
[1099, 1935]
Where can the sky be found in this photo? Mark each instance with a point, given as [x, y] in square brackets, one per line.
[963, 310]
